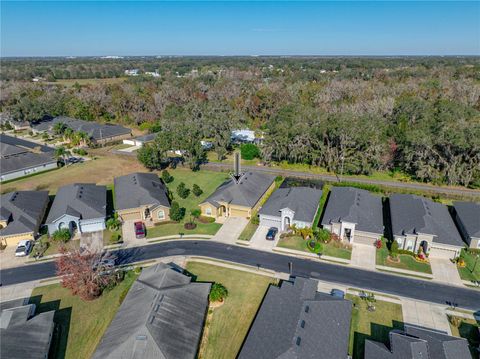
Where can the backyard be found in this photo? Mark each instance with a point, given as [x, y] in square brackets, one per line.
[330, 249]
[79, 325]
[374, 325]
[468, 329]
[405, 261]
[471, 271]
[228, 325]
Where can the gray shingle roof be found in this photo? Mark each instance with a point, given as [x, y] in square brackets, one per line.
[246, 193]
[24, 337]
[295, 321]
[469, 214]
[348, 204]
[94, 130]
[146, 138]
[162, 316]
[412, 214]
[139, 189]
[24, 211]
[418, 343]
[82, 200]
[302, 200]
[18, 154]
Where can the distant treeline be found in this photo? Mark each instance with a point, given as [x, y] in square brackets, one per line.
[419, 116]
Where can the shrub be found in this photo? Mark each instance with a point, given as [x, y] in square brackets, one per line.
[176, 212]
[61, 235]
[115, 238]
[218, 293]
[113, 224]
[249, 151]
[204, 219]
[378, 244]
[394, 249]
[40, 247]
[322, 235]
[197, 191]
[166, 176]
[182, 191]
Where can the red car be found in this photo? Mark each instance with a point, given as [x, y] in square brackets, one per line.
[139, 229]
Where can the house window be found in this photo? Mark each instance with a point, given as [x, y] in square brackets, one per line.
[208, 211]
[161, 214]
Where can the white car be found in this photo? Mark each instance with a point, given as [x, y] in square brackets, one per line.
[23, 248]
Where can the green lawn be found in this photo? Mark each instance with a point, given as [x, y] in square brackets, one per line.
[328, 249]
[468, 329]
[248, 231]
[228, 325]
[79, 325]
[170, 229]
[374, 325]
[107, 237]
[470, 271]
[406, 261]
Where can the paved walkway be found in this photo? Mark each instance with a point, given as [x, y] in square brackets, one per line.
[425, 314]
[259, 241]
[230, 230]
[445, 271]
[363, 256]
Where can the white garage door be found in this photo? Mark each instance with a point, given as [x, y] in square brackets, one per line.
[92, 227]
[270, 222]
[437, 252]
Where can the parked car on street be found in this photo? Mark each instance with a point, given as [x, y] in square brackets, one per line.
[23, 248]
[139, 229]
[272, 232]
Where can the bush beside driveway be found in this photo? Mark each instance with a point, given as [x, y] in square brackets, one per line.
[405, 261]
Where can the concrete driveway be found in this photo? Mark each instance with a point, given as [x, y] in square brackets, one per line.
[8, 259]
[231, 230]
[445, 271]
[258, 240]
[363, 256]
[92, 241]
[425, 314]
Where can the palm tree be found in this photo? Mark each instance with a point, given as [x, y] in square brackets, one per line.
[84, 138]
[59, 128]
[62, 153]
[68, 134]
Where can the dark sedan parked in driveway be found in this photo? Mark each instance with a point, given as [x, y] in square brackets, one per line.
[272, 232]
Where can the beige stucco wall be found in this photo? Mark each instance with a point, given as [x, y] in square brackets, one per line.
[138, 214]
[14, 239]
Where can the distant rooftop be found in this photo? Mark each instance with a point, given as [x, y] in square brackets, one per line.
[469, 214]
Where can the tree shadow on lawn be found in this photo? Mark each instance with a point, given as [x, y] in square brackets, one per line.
[378, 332]
[62, 318]
[472, 334]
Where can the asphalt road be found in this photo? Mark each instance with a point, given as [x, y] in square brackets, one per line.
[466, 192]
[375, 281]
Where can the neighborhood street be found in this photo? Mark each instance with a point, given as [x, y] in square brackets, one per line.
[354, 277]
[325, 177]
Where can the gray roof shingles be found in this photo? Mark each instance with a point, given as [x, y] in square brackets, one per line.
[418, 343]
[24, 337]
[469, 214]
[411, 214]
[24, 211]
[94, 130]
[162, 316]
[139, 189]
[302, 200]
[353, 205]
[247, 192]
[82, 200]
[295, 321]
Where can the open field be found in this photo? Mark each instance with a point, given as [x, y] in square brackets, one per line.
[80, 325]
[228, 325]
[372, 325]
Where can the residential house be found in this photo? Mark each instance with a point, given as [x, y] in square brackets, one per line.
[132, 72]
[21, 213]
[162, 316]
[467, 217]
[140, 140]
[79, 207]
[296, 321]
[290, 206]
[21, 158]
[98, 133]
[238, 199]
[418, 222]
[243, 136]
[23, 334]
[355, 215]
[418, 343]
[141, 197]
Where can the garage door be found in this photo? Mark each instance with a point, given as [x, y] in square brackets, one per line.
[269, 222]
[362, 239]
[238, 213]
[134, 216]
[92, 227]
[437, 252]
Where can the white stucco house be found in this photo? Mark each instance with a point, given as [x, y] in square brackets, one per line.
[290, 206]
[355, 215]
[80, 207]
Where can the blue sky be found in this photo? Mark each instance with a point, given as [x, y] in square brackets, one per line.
[239, 28]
